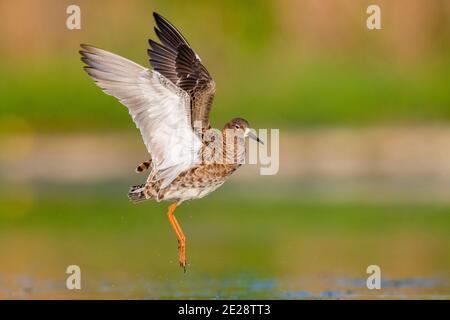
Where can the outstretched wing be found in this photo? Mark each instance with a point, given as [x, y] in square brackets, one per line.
[159, 109]
[176, 60]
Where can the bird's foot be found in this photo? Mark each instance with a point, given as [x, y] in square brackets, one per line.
[183, 264]
[182, 257]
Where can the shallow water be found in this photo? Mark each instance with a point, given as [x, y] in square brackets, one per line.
[238, 287]
[274, 248]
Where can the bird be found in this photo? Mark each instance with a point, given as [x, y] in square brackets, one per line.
[170, 104]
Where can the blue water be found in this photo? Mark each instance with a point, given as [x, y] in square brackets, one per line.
[240, 287]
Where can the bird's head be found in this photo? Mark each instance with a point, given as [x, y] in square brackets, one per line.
[241, 128]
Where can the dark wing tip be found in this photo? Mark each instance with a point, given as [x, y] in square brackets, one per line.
[85, 46]
[83, 57]
[159, 18]
[168, 31]
[86, 49]
[85, 60]
[156, 15]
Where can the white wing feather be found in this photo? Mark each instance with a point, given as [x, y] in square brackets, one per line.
[159, 109]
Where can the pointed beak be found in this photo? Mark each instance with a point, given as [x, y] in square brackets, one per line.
[251, 135]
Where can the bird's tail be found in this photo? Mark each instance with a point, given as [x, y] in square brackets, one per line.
[144, 166]
[137, 194]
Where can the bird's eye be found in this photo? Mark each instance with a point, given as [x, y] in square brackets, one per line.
[236, 126]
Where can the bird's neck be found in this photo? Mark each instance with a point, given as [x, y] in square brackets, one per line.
[222, 148]
[233, 149]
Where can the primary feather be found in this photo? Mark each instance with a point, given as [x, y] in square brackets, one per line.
[177, 61]
[158, 107]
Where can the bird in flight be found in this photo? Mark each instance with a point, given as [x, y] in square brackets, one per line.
[170, 105]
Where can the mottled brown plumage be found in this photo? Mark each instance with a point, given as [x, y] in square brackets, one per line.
[203, 178]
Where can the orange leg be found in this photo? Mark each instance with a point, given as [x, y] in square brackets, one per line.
[180, 235]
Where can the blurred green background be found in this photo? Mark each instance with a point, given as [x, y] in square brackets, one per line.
[364, 153]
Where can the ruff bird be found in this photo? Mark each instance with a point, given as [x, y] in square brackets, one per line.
[170, 105]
